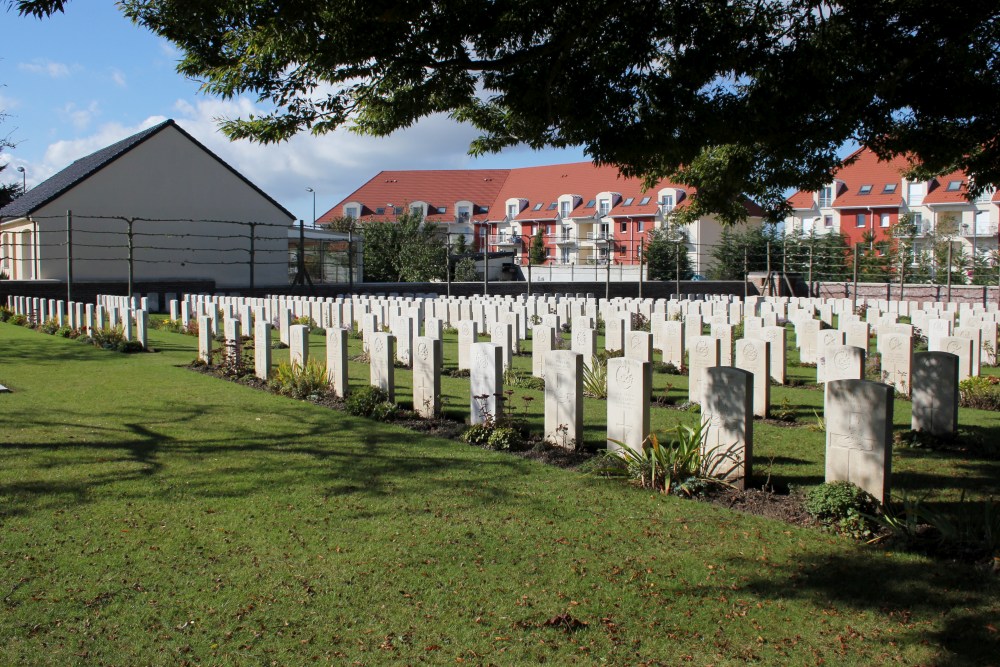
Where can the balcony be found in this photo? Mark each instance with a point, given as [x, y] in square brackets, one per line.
[565, 239]
[505, 239]
[980, 229]
[599, 237]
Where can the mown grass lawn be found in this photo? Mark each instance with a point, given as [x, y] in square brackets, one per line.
[152, 515]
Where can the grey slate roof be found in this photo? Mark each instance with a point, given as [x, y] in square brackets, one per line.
[80, 170]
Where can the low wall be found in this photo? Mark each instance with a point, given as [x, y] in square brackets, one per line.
[976, 294]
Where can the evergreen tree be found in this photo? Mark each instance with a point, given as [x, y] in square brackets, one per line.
[666, 252]
[406, 250]
[536, 254]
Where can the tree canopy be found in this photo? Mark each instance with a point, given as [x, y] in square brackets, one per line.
[734, 97]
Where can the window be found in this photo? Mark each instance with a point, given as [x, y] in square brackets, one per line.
[621, 250]
[889, 188]
[464, 213]
[417, 210]
[918, 222]
[639, 226]
[645, 200]
[884, 220]
[352, 212]
[624, 227]
[861, 219]
[590, 203]
[552, 206]
[826, 196]
[986, 196]
[828, 221]
[512, 210]
[538, 207]
[441, 209]
[564, 209]
[397, 210]
[954, 186]
[865, 189]
[628, 202]
[380, 210]
[915, 193]
[667, 203]
[605, 207]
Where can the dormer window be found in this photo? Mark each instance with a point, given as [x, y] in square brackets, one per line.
[826, 196]
[954, 186]
[986, 196]
[352, 212]
[463, 213]
[416, 209]
[666, 203]
[865, 189]
[512, 211]
[604, 206]
[564, 209]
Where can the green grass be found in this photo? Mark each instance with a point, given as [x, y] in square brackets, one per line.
[153, 515]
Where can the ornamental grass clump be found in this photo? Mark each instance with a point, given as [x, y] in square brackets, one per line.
[297, 381]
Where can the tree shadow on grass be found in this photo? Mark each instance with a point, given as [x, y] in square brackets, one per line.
[961, 604]
[339, 454]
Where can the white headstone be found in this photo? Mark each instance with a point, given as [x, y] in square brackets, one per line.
[427, 376]
[630, 384]
[934, 393]
[336, 360]
[727, 411]
[485, 381]
[564, 398]
[859, 435]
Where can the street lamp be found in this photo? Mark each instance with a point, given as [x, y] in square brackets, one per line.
[24, 182]
[314, 205]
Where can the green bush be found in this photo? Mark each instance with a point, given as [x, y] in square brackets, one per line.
[492, 435]
[108, 338]
[979, 393]
[300, 382]
[843, 507]
[49, 326]
[372, 402]
[5, 313]
[515, 378]
[19, 320]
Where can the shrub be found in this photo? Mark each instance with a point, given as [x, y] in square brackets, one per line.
[66, 332]
[465, 270]
[49, 326]
[108, 338]
[843, 507]
[491, 434]
[372, 402]
[640, 322]
[673, 466]
[979, 393]
[668, 368]
[595, 378]
[5, 313]
[514, 378]
[19, 320]
[300, 382]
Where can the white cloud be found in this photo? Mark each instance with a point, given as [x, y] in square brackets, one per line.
[8, 103]
[46, 67]
[119, 78]
[61, 153]
[80, 118]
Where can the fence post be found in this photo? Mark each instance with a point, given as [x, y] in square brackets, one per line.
[854, 292]
[131, 260]
[811, 272]
[770, 282]
[948, 269]
[486, 266]
[746, 274]
[69, 257]
[447, 262]
[529, 275]
[607, 279]
[253, 238]
[350, 260]
[640, 270]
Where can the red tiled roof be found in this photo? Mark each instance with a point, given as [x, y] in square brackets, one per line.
[493, 188]
[938, 192]
[865, 170]
[436, 187]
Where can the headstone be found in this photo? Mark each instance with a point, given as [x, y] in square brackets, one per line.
[467, 333]
[336, 360]
[262, 349]
[934, 393]
[382, 354]
[857, 334]
[614, 334]
[724, 332]
[897, 361]
[673, 343]
[727, 412]
[827, 338]
[485, 381]
[501, 335]
[630, 386]
[704, 354]
[858, 417]
[639, 346]
[960, 347]
[806, 337]
[142, 328]
[543, 341]
[754, 356]
[205, 339]
[427, 376]
[298, 345]
[564, 398]
[584, 342]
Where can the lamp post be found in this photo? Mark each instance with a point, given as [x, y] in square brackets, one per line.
[314, 205]
[24, 181]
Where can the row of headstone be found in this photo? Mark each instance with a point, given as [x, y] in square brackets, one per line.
[85, 317]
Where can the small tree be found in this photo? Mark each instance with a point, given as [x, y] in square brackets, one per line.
[536, 254]
[465, 270]
[459, 246]
[406, 250]
[666, 252]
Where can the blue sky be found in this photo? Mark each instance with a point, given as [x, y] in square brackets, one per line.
[79, 81]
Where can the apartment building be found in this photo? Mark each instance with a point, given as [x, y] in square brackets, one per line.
[587, 214]
[866, 198]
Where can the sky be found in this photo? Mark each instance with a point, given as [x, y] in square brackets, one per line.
[77, 82]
